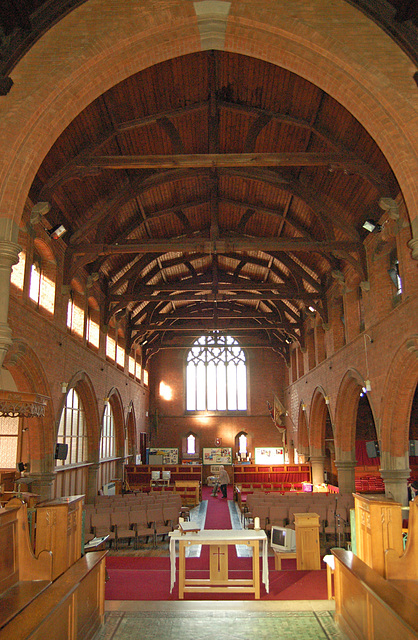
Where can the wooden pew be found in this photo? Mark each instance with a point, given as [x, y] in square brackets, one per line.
[32, 604]
[372, 602]
[22, 576]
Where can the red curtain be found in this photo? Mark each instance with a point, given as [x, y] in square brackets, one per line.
[362, 458]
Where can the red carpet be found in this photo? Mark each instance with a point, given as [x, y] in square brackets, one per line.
[136, 578]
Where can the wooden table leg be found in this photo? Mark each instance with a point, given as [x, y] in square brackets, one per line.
[256, 569]
[330, 573]
[182, 569]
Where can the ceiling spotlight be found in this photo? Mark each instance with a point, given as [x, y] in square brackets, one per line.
[370, 225]
[57, 232]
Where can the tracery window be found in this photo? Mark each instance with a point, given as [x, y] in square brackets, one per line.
[72, 430]
[216, 378]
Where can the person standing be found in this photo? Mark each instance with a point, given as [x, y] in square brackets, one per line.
[223, 480]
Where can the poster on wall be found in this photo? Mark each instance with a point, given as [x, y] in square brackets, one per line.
[269, 455]
[170, 455]
[217, 455]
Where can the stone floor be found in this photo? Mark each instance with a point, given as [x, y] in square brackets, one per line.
[249, 620]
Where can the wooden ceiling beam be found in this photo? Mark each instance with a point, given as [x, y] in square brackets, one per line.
[207, 246]
[211, 325]
[219, 160]
[230, 296]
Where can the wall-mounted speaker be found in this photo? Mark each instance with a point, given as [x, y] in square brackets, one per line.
[61, 451]
[372, 449]
[413, 447]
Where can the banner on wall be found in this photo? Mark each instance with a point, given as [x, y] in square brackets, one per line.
[269, 455]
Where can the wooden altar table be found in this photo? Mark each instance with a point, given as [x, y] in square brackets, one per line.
[218, 541]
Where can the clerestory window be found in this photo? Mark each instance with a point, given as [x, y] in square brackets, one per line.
[216, 378]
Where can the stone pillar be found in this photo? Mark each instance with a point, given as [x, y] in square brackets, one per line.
[91, 492]
[346, 475]
[396, 484]
[9, 255]
[42, 485]
[120, 472]
[317, 463]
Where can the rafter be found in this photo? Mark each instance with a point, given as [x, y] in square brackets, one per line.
[223, 245]
[220, 160]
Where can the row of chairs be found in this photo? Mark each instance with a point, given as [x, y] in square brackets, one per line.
[334, 519]
[147, 522]
[301, 501]
[135, 498]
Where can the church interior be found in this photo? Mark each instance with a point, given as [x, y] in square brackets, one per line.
[208, 258]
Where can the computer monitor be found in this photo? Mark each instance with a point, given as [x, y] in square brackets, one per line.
[166, 475]
[283, 539]
[155, 475]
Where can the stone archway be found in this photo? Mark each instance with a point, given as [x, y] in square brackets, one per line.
[349, 57]
[28, 374]
[303, 433]
[317, 422]
[83, 385]
[398, 392]
[345, 429]
[351, 66]
[133, 447]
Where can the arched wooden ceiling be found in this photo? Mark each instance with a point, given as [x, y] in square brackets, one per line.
[213, 191]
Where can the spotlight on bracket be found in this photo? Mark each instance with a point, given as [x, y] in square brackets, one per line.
[57, 232]
[370, 225]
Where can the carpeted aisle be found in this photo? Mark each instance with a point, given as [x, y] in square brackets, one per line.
[148, 578]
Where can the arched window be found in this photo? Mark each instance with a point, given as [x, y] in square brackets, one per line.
[242, 445]
[72, 430]
[42, 278]
[107, 439]
[17, 277]
[216, 375]
[191, 444]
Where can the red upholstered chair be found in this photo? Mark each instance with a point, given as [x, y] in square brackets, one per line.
[138, 521]
[101, 526]
[121, 527]
[155, 517]
[278, 515]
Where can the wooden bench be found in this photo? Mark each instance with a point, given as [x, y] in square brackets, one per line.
[22, 576]
[32, 604]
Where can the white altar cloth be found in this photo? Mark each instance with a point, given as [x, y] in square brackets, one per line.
[221, 536]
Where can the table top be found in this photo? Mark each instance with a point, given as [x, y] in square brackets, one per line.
[222, 535]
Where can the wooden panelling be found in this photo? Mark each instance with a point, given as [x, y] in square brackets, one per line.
[368, 607]
[378, 528]
[58, 528]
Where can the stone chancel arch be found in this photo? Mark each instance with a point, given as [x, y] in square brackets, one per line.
[116, 38]
[103, 42]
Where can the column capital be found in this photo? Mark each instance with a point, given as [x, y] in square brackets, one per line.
[413, 245]
[395, 475]
[345, 464]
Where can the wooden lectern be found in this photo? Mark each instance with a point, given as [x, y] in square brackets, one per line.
[308, 556]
